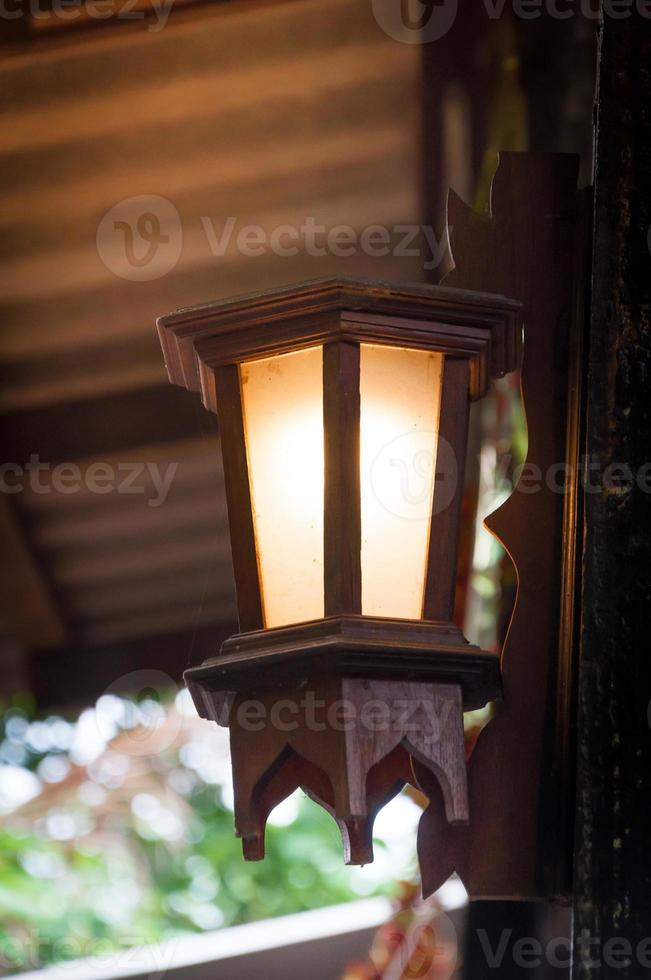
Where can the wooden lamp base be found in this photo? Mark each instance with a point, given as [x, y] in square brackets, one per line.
[350, 743]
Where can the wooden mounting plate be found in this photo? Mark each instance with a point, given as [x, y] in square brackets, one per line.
[533, 246]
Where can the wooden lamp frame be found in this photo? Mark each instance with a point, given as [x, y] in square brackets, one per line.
[345, 656]
[518, 779]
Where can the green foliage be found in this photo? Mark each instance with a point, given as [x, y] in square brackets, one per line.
[134, 848]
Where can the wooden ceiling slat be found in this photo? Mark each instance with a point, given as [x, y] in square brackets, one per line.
[227, 34]
[136, 523]
[111, 425]
[31, 392]
[164, 620]
[50, 273]
[220, 139]
[118, 564]
[310, 170]
[117, 309]
[77, 675]
[193, 95]
[157, 591]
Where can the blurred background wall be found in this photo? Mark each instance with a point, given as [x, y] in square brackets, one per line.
[193, 119]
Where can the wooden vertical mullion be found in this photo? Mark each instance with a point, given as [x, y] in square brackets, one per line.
[238, 496]
[444, 530]
[342, 529]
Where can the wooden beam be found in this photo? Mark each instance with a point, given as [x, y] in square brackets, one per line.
[109, 424]
[28, 604]
[342, 531]
[238, 495]
[450, 469]
[76, 675]
[612, 865]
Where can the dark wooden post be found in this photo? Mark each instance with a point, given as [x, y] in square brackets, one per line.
[612, 872]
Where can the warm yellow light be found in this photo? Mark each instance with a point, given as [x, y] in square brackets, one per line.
[282, 398]
[400, 401]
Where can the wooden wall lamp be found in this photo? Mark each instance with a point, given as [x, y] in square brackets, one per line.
[348, 677]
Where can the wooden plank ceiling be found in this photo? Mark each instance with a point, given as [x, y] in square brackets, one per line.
[266, 114]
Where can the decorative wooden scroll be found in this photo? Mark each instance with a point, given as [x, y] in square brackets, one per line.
[532, 248]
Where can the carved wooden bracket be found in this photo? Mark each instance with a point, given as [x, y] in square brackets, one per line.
[347, 742]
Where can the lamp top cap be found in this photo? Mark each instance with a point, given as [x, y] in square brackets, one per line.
[484, 327]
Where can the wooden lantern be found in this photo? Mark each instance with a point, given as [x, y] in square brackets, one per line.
[343, 416]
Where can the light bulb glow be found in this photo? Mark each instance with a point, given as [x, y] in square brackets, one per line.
[282, 400]
[399, 418]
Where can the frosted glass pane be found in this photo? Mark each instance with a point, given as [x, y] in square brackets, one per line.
[400, 401]
[282, 399]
